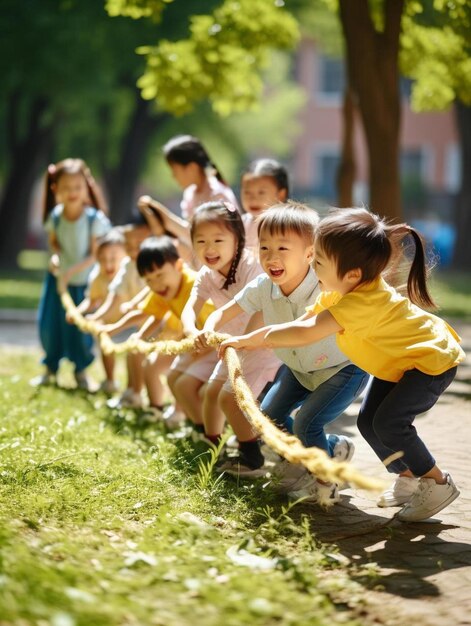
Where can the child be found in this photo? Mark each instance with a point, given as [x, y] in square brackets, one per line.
[413, 355]
[125, 291]
[264, 184]
[73, 227]
[317, 379]
[170, 282]
[110, 254]
[200, 180]
[218, 239]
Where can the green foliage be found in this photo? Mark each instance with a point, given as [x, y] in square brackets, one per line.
[221, 59]
[435, 53]
[137, 8]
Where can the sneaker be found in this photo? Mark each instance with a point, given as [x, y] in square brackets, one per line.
[429, 499]
[344, 448]
[83, 382]
[129, 399]
[173, 418]
[43, 379]
[237, 466]
[108, 387]
[152, 415]
[399, 493]
[288, 476]
[232, 443]
[315, 492]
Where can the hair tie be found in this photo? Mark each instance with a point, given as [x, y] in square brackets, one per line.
[51, 169]
[229, 206]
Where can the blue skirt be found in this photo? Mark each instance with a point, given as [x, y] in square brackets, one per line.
[60, 339]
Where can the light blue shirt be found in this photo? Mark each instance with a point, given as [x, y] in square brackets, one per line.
[312, 364]
[74, 238]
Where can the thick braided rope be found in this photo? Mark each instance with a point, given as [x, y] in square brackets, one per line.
[288, 446]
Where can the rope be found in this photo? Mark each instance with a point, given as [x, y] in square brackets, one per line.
[288, 446]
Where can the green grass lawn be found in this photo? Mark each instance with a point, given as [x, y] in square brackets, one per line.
[103, 522]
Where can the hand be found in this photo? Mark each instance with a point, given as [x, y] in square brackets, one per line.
[126, 307]
[54, 265]
[200, 341]
[238, 343]
[69, 318]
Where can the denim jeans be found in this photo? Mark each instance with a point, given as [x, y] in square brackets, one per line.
[387, 414]
[317, 408]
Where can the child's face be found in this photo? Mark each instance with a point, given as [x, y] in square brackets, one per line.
[133, 239]
[71, 190]
[285, 258]
[215, 246]
[260, 193]
[165, 281]
[184, 175]
[110, 257]
[326, 270]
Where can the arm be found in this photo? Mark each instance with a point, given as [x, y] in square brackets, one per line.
[109, 309]
[192, 308]
[171, 222]
[133, 318]
[125, 307]
[65, 277]
[223, 315]
[306, 329]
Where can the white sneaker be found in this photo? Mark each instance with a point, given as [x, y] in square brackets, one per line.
[108, 387]
[344, 449]
[289, 476]
[173, 418]
[400, 492]
[152, 415]
[83, 382]
[429, 499]
[43, 379]
[317, 493]
[129, 399]
[237, 466]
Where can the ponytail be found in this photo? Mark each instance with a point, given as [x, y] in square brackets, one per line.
[417, 279]
[185, 149]
[49, 197]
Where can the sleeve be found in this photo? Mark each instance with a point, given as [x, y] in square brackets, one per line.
[251, 297]
[91, 290]
[153, 305]
[101, 225]
[324, 301]
[201, 284]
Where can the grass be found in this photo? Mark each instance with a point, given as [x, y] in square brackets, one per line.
[106, 523]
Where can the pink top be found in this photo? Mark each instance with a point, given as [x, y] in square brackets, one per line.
[192, 198]
[208, 286]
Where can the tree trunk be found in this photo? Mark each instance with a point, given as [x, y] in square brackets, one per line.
[29, 158]
[347, 167]
[372, 59]
[462, 252]
[122, 181]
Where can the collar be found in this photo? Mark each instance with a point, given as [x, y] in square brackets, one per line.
[303, 292]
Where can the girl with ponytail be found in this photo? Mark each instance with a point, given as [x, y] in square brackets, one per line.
[218, 237]
[411, 354]
[200, 179]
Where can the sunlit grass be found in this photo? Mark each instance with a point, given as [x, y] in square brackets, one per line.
[103, 522]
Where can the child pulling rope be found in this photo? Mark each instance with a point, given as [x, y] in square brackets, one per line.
[314, 459]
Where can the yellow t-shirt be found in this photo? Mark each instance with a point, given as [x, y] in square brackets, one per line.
[157, 306]
[386, 335]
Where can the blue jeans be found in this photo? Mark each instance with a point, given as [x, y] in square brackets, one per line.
[387, 414]
[318, 407]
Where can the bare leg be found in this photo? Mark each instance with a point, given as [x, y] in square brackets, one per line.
[186, 392]
[212, 415]
[135, 372]
[240, 425]
[155, 366]
[108, 361]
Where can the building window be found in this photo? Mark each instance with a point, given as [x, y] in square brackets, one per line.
[327, 164]
[412, 164]
[331, 83]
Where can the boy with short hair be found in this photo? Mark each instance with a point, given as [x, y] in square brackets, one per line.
[317, 379]
[170, 282]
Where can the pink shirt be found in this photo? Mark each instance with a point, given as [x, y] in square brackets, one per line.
[208, 286]
[192, 198]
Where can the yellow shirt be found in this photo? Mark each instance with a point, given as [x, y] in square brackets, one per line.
[157, 306]
[386, 335]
